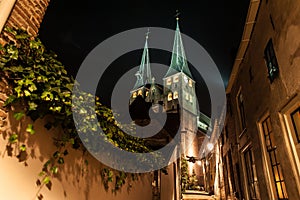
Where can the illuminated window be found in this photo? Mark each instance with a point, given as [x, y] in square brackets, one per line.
[169, 81]
[296, 123]
[175, 96]
[175, 79]
[140, 92]
[147, 92]
[190, 83]
[191, 98]
[186, 96]
[170, 96]
[271, 61]
[275, 164]
[134, 95]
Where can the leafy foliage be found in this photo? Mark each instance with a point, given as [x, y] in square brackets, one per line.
[41, 85]
[193, 181]
[184, 174]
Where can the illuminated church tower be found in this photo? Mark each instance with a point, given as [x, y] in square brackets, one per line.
[177, 96]
[143, 77]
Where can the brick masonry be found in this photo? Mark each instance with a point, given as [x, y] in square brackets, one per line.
[27, 15]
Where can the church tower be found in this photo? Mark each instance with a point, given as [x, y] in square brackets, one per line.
[143, 77]
[179, 90]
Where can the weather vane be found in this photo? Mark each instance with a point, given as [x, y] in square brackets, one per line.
[177, 15]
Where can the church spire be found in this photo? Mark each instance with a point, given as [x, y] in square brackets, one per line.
[144, 76]
[178, 60]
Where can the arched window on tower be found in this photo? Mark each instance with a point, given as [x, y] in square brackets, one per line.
[175, 95]
[134, 95]
[169, 81]
[140, 92]
[190, 83]
[186, 96]
[170, 96]
[175, 79]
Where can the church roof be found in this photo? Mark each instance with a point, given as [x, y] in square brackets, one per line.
[178, 60]
[143, 75]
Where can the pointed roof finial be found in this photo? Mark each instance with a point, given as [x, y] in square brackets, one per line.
[178, 60]
[143, 75]
[177, 15]
[147, 34]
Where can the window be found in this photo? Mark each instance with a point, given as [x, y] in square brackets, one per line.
[134, 95]
[170, 96]
[295, 116]
[175, 79]
[252, 183]
[175, 96]
[190, 83]
[191, 98]
[186, 96]
[140, 92]
[271, 61]
[275, 164]
[169, 81]
[241, 110]
[147, 92]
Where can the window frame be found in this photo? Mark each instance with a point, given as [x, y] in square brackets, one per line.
[267, 158]
[296, 129]
[170, 96]
[247, 184]
[271, 61]
[292, 146]
[175, 95]
[169, 81]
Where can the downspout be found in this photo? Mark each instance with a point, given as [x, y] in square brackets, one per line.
[6, 7]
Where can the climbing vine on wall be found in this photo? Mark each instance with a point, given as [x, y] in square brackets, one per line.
[184, 174]
[41, 86]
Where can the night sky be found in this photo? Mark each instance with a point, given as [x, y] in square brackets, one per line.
[73, 28]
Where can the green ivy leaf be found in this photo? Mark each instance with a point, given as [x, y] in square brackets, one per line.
[56, 154]
[32, 87]
[23, 147]
[18, 115]
[13, 138]
[10, 100]
[46, 180]
[32, 105]
[54, 169]
[30, 129]
[27, 93]
[60, 160]
[48, 96]
[42, 173]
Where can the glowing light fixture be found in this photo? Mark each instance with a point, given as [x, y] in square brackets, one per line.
[210, 146]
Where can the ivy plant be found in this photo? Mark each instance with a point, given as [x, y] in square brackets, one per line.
[41, 86]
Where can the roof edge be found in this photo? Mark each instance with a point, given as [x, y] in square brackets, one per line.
[248, 28]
